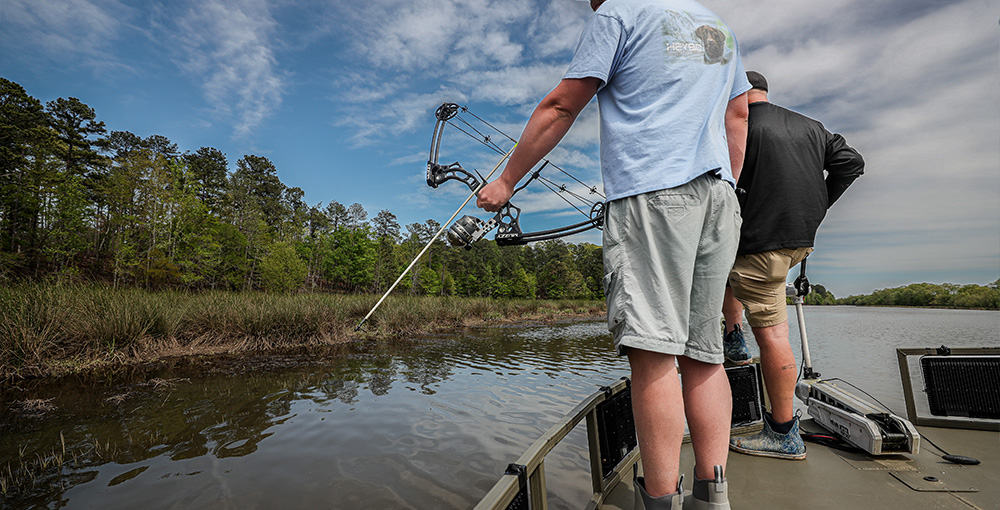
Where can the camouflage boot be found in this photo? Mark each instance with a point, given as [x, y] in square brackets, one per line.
[735, 347]
[769, 443]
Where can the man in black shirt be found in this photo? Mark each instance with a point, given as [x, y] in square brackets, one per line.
[787, 196]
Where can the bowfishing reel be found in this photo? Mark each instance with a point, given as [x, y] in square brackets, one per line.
[466, 231]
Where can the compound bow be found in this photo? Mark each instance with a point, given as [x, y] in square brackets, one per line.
[469, 229]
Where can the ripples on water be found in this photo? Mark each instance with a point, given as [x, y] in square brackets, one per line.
[427, 424]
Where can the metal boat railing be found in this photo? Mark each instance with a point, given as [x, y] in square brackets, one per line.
[611, 441]
[523, 486]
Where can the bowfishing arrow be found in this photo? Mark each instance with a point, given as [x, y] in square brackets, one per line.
[475, 191]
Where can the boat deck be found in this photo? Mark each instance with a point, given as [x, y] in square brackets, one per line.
[835, 479]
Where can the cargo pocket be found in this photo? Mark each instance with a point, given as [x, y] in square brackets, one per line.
[614, 299]
[613, 227]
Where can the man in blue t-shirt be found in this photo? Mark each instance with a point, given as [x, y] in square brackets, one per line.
[672, 96]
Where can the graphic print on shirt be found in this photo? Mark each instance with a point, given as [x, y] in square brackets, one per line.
[687, 36]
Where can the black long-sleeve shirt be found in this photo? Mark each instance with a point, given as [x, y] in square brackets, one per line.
[787, 194]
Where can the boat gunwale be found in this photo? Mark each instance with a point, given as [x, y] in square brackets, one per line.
[507, 487]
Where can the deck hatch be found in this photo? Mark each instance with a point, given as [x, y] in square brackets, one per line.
[939, 482]
[748, 395]
[616, 429]
[965, 386]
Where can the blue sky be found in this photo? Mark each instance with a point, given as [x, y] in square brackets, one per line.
[340, 96]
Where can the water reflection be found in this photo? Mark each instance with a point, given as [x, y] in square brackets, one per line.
[430, 422]
[423, 424]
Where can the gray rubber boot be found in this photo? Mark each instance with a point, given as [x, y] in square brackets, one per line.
[643, 501]
[710, 494]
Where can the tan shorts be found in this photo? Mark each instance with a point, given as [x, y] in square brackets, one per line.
[758, 281]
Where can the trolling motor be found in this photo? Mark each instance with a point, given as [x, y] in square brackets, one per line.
[834, 405]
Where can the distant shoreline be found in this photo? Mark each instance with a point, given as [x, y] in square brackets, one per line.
[944, 296]
[51, 331]
[925, 307]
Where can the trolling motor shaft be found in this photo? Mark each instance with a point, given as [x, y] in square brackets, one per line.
[798, 291]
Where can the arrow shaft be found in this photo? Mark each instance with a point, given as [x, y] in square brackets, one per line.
[429, 243]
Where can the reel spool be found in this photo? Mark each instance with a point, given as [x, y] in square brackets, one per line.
[461, 233]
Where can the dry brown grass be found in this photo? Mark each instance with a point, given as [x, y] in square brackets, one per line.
[33, 407]
[54, 330]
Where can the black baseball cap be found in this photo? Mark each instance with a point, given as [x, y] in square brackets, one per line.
[757, 80]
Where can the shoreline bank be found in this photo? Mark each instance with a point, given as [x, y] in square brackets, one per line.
[50, 331]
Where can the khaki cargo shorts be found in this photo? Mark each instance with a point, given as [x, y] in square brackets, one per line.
[758, 281]
[667, 255]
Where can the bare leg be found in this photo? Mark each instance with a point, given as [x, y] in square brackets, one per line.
[708, 404]
[659, 422]
[732, 310]
[779, 365]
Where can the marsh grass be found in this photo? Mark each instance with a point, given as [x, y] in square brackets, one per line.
[58, 329]
[39, 470]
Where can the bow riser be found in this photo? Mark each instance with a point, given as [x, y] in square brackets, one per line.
[439, 174]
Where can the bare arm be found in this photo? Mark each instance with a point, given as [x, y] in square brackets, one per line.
[737, 113]
[550, 121]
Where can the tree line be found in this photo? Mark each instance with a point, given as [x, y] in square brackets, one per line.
[80, 202]
[945, 295]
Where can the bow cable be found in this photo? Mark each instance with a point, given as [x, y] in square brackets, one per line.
[558, 189]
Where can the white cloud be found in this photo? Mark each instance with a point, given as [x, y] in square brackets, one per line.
[66, 30]
[556, 30]
[476, 49]
[538, 199]
[229, 45]
[586, 131]
[364, 87]
[437, 34]
[394, 116]
[410, 159]
[789, 21]
[914, 90]
[515, 85]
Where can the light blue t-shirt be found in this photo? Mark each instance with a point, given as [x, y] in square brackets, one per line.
[670, 68]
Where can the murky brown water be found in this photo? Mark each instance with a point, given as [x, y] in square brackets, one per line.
[430, 424]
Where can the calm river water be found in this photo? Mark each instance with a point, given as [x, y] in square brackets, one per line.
[428, 424]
